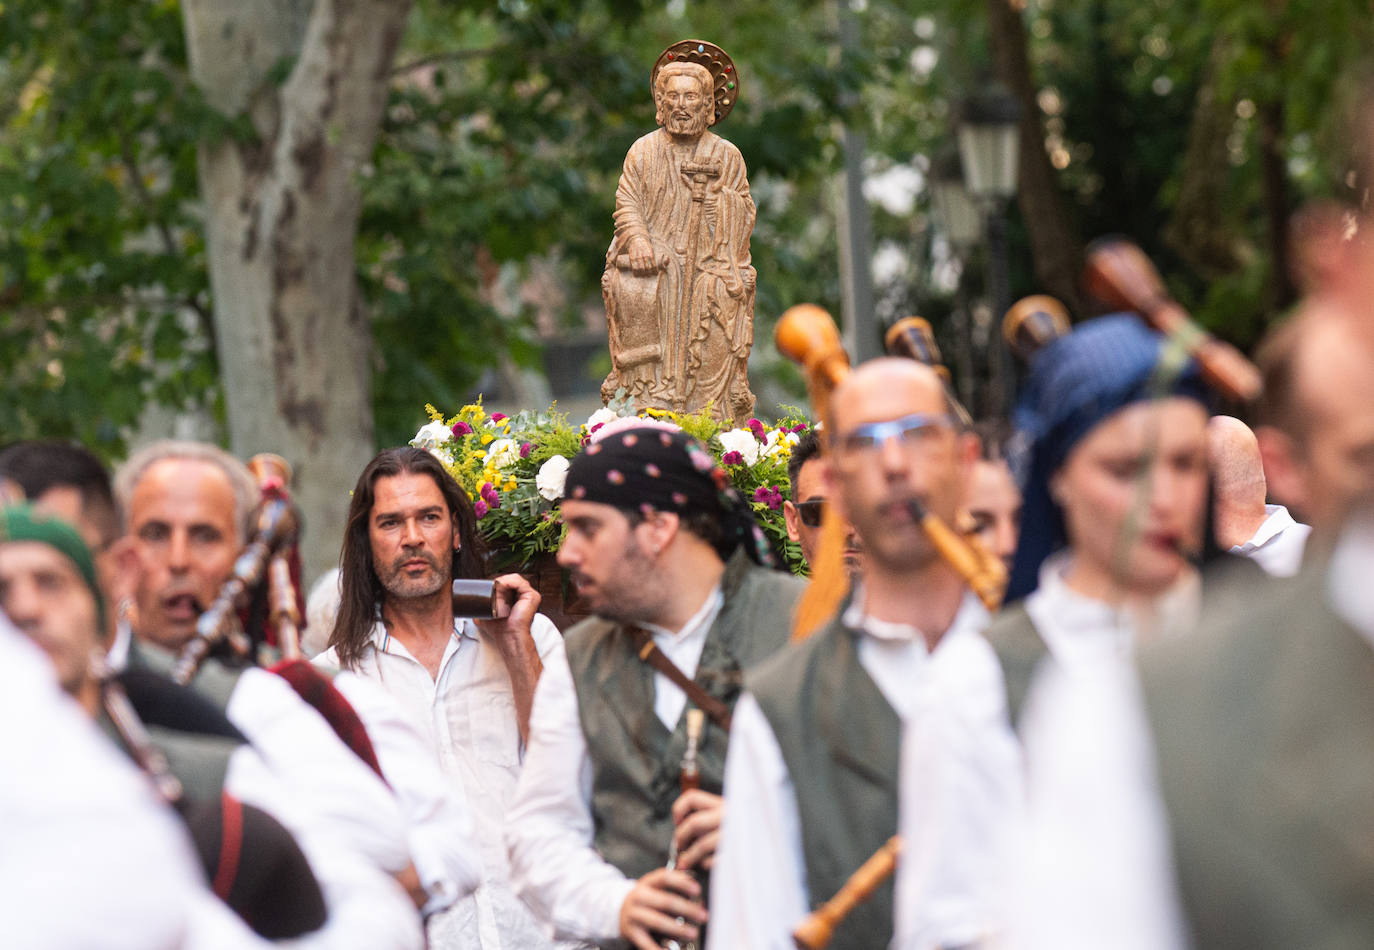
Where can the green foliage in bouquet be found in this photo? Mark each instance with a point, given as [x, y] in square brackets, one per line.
[514, 467]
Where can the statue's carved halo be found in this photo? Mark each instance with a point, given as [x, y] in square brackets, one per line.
[717, 62]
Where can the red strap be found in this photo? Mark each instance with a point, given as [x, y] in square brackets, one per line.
[231, 839]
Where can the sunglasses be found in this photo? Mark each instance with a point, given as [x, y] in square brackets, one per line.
[914, 432]
[811, 512]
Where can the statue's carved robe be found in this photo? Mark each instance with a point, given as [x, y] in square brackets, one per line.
[663, 356]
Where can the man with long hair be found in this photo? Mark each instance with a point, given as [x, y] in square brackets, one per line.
[466, 685]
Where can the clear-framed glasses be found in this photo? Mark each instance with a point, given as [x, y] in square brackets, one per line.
[918, 432]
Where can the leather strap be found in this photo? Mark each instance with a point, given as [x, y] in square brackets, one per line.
[651, 654]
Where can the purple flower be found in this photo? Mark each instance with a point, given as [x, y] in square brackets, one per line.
[732, 458]
[757, 428]
[497, 416]
[461, 428]
[592, 430]
[760, 494]
[489, 495]
[479, 508]
[774, 499]
[525, 450]
[799, 427]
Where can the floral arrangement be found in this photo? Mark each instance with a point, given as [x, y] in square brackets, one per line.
[513, 468]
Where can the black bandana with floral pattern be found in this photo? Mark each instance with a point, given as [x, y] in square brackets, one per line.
[654, 469]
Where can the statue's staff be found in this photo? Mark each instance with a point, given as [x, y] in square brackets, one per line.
[689, 243]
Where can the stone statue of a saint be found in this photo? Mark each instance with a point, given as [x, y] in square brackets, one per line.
[678, 285]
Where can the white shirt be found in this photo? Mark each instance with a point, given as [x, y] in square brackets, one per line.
[1093, 862]
[759, 891]
[442, 841]
[466, 718]
[88, 856]
[1278, 544]
[549, 831]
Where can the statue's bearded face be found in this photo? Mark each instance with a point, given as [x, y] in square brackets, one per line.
[683, 107]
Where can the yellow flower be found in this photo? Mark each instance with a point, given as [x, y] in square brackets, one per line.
[434, 414]
[487, 438]
[510, 485]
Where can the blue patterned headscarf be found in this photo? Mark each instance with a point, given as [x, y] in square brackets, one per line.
[1076, 382]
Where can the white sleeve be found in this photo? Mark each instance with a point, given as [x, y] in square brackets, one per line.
[549, 830]
[548, 641]
[318, 770]
[365, 906]
[88, 856]
[1094, 868]
[758, 883]
[960, 796]
[441, 838]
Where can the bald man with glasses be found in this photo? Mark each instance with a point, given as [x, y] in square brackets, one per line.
[811, 774]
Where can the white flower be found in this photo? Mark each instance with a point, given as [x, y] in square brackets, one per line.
[780, 443]
[503, 453]
[601, 417]
[552, 476]
[432, 436]
[743, 442]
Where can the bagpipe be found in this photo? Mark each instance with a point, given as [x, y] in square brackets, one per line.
[271, 555]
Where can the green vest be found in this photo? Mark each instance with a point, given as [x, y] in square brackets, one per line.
[1264, 727]
[841, 742]
[1019, 648]
[214, 680]
[635, 758]
[199, 762]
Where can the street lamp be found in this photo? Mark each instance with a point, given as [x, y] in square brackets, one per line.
[955, 208]
[962, 221]
[989, 149]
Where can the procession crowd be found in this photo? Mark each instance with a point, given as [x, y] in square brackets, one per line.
[1161, 741]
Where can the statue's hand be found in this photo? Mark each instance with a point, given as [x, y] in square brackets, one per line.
[641, 255]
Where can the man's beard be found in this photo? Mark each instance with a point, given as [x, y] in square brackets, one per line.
[626, 601]
[686, 126]
[400, 586]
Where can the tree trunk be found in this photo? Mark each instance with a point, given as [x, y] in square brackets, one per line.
[293, 341]
[1056, 247]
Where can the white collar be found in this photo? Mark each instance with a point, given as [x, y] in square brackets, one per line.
[384, 642]
[1347, 578]
[699, 622]
[971, 612]
[1069, 619]
[1276, 520]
